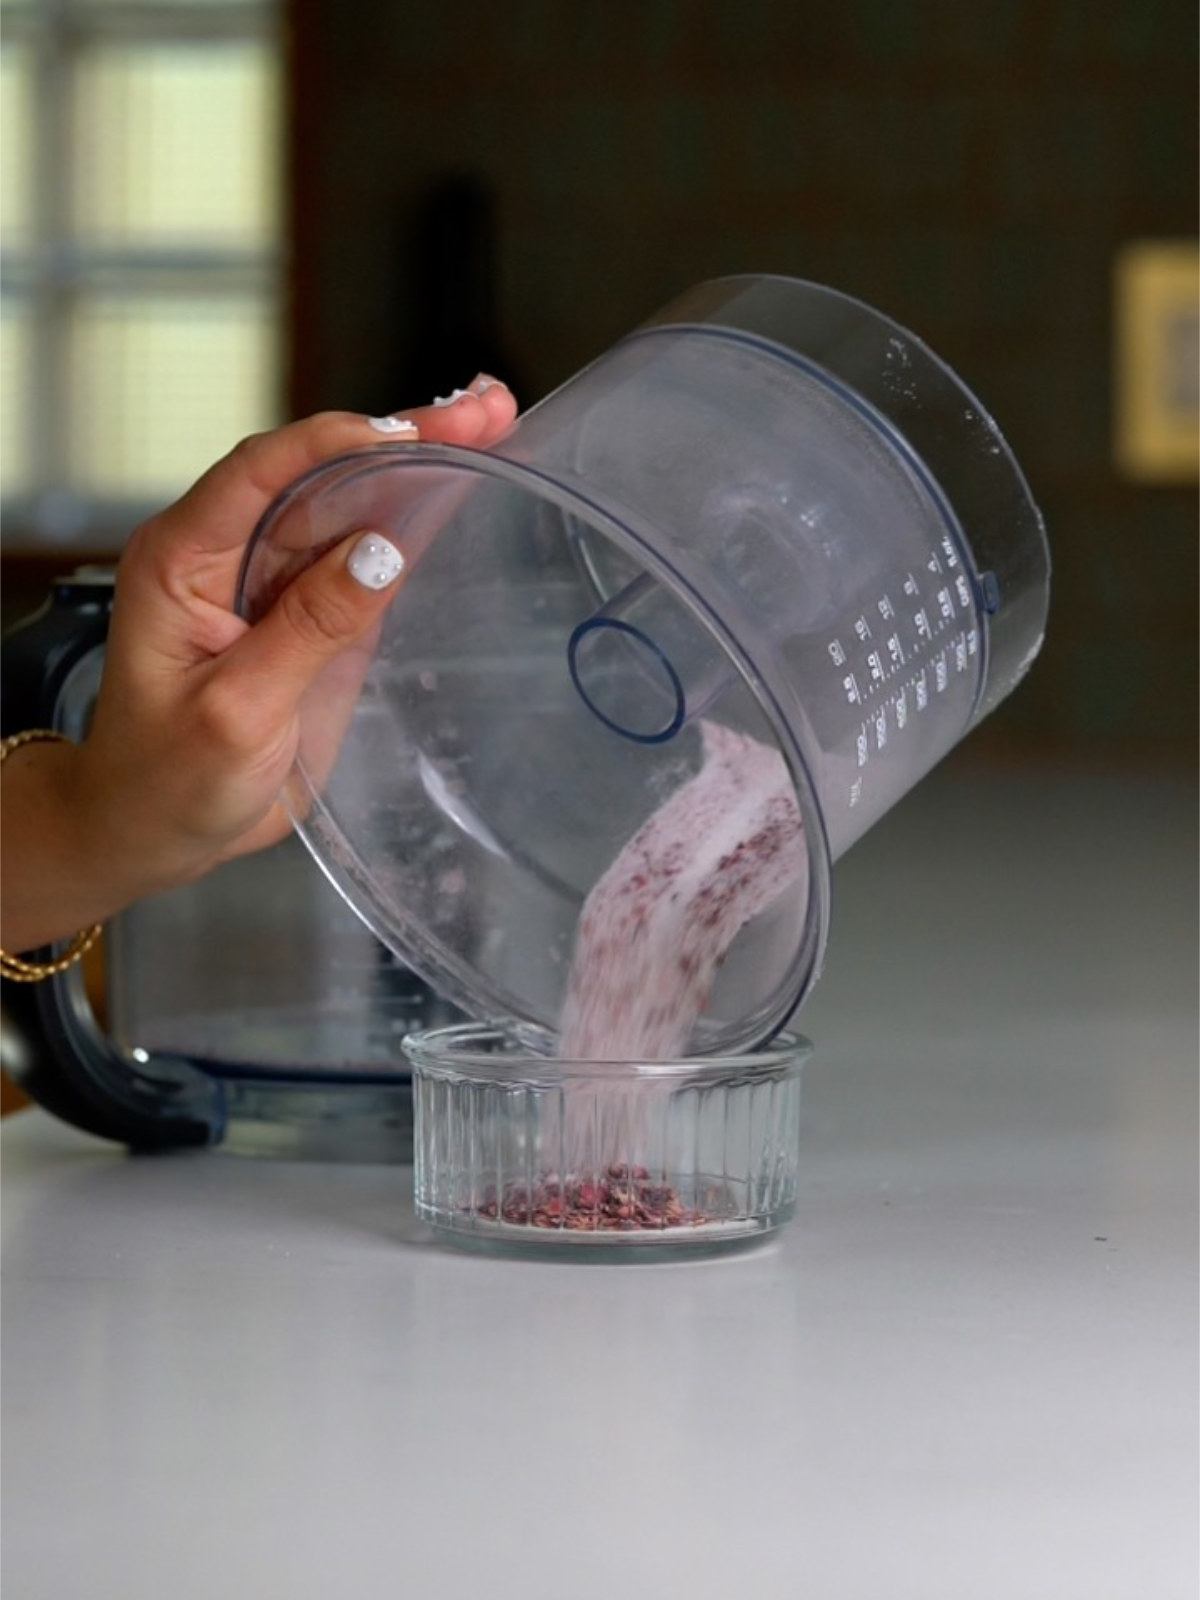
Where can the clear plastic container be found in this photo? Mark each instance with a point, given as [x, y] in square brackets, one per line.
[770, 514]
[616, 1161]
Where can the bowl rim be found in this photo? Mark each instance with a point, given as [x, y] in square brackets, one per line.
[459, 978]
[485, 1052]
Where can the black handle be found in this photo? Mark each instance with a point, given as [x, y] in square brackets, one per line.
[40, 653]
[59, 1055]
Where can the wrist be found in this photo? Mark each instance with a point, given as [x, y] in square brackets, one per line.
[54, 883]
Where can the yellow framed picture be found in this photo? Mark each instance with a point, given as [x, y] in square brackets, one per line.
[1156, 413]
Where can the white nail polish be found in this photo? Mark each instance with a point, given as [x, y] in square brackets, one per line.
[392, 425]
[452, 398]
[374, 562]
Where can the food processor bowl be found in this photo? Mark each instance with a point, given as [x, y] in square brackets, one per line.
[770, 515]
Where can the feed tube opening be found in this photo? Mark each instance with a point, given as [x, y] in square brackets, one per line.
[644, 666]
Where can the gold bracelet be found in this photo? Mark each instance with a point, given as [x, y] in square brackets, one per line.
[14, 967]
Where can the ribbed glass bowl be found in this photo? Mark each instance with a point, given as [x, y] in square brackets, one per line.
[521, 1153]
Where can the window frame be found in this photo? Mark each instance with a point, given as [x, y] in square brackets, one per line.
[52, 271]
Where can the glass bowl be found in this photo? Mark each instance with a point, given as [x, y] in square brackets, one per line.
[521, 1153]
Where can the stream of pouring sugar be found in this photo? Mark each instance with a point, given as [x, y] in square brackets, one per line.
[656, 927]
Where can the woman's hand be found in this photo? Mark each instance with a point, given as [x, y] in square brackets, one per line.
[195, 727]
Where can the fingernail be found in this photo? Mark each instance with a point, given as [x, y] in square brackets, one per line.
[374, 562]
[481, 384]
[393, 425]
[452, 398]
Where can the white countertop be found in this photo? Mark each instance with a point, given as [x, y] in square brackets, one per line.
[968, 1369]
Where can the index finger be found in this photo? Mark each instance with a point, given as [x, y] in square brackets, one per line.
[218, 512]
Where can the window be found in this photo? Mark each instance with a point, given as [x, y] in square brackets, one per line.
[140, 225]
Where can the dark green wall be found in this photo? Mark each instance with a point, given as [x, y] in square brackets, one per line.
[969, 166]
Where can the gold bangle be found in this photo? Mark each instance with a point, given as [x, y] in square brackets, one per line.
[15, 967]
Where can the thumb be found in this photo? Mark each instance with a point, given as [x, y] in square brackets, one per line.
[336, 602]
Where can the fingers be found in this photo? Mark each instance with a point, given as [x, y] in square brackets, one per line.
[475, 416]
[498, 402]
[221, 509]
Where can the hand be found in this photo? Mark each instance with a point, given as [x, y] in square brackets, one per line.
[195, 727]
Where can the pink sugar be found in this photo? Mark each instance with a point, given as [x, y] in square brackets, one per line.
[657, 926]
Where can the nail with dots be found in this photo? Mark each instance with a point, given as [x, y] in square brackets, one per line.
[374, 562]
[396, 427]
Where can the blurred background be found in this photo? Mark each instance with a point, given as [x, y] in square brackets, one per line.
[219, 213]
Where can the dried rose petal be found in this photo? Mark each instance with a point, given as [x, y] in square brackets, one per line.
[624, 1200]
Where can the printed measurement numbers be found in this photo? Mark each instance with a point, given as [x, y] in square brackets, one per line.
[899, 656]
